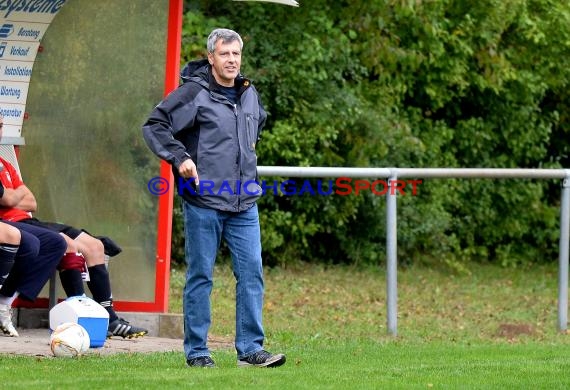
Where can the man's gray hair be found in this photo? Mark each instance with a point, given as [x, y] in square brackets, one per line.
[226, 35]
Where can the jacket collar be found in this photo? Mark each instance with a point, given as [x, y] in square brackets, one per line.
[200, 71]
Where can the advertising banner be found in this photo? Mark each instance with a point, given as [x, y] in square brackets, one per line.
[23, 23]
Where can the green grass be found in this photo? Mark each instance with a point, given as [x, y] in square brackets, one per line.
[340, 365]
[311, 302]
[492, 328]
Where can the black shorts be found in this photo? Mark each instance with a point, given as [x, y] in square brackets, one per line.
[111, 247]
[69, 231]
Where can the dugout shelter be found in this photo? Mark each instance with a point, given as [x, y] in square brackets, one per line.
[77, 80]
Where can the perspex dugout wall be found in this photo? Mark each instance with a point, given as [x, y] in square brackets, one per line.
[101, 68]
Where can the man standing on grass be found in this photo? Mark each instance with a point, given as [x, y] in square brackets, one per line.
[207, 129]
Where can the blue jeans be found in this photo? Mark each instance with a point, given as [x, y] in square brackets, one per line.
[204, 229]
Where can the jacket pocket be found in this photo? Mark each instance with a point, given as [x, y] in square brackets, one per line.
[252, 124]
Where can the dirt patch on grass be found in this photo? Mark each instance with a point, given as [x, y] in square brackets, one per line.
[512, 331]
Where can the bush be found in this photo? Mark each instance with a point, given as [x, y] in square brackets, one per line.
[407, 84]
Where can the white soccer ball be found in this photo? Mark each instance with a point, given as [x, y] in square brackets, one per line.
[69, 340]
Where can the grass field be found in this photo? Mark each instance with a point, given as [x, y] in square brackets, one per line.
[491, 328]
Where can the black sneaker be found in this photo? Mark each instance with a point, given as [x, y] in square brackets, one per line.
[201, 361]
[123, 328]
[262, 359]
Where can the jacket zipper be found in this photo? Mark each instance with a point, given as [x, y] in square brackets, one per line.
[238, 156]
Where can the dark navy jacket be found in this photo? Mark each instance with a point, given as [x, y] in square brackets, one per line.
[196, 121]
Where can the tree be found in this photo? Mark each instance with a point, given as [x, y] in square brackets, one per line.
[407, 84]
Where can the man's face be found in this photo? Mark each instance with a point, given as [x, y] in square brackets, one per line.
[226, 62]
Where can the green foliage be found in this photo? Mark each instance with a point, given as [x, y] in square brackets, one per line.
[438, 83]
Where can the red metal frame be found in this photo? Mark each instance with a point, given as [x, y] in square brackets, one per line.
[165, 202]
